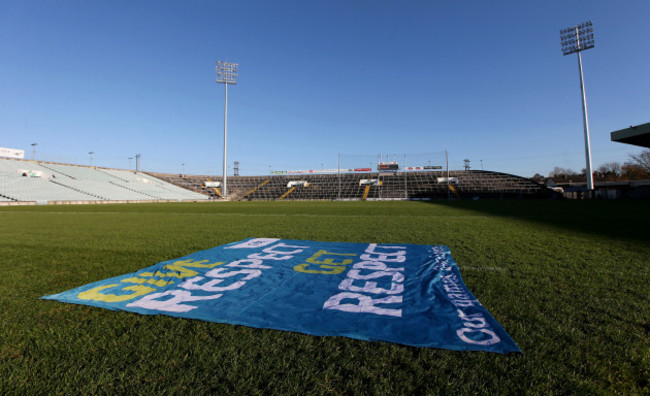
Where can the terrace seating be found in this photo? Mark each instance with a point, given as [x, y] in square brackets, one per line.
[189, 182]
[42, 182]
[401, 185]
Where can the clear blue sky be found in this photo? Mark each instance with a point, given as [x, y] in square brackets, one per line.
[484, 79]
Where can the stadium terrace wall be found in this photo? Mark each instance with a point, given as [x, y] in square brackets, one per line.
[378, 186]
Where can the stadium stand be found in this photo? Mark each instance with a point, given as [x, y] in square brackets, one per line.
[44, 182]
[190, 182]
[348, 186]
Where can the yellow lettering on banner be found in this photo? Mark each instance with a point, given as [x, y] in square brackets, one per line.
[335, 269]
[159, 283]
[326, 265]
[181, 270]
[94, 294]
[314, 259]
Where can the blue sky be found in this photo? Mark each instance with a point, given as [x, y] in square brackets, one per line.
[485, 80]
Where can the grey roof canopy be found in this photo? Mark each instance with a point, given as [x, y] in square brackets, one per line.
[637, 135]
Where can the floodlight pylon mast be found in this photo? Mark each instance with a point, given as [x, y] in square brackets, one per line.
[575, 40]
[226, 74]
[224, 188]
[585, 123]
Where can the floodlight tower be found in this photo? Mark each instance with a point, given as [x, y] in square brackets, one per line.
[226, 74]
[575, 40]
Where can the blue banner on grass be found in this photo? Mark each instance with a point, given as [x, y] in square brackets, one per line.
[408, 294]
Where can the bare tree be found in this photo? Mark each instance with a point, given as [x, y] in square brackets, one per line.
[614, 167]
[609, 171]
[642, 160]
[538, 178]
[561, 175]
[634, 172]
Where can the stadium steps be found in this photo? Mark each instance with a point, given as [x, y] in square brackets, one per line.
[57, 171]
[393, 186]
[274, 189]
[77, 190]
[187, 182]
[453, 190]
[213, 192]
[365, 193]
[287, 193]
[265, 182]
[157, 184]
[151, 185]
[133, 190]
[114, 176]
[7, 198]
[191, 184]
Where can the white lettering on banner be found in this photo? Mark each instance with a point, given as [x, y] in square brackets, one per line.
[375, 265]
[457, 295]
[396, 276]
[476, 329]
[252, 268]
[209, 286]
[477, 318]
[271, 250]
[219, 273]
[476, 324]
[151, 301]
[462, 334]
[399, 256]
[253, 243]
[375, 261]
[371, 287]
[270, 256]
[366, 304]
[254, 263]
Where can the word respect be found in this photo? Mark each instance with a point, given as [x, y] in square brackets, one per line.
[251, 267]
[216, 281]
[361, 286]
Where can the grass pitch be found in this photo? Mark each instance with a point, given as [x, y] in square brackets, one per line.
[567, 279]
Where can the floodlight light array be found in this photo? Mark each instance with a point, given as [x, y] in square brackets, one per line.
[227, 72]
[577, 38]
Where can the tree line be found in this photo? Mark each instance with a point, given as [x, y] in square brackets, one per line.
[637, 167]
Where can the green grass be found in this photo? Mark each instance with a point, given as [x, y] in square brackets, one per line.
[568, 280]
